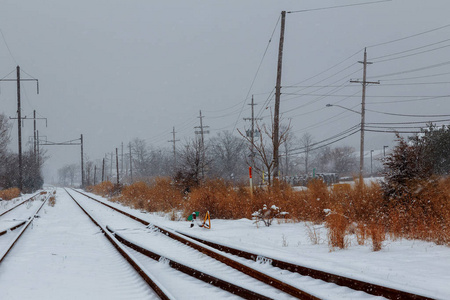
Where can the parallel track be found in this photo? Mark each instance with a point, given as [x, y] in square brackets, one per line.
[148, 278]
[5, 252]
[373, 289]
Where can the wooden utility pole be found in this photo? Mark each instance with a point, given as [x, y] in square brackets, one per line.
[82, 162]
[19, 120]
[131, 165]
[202, 132]
[363, 111]
[95, 172]
[173, 140]
[252, 133]
[103, 169]
[121, 162]
[117, 166]
[19, 126]
[276, 117]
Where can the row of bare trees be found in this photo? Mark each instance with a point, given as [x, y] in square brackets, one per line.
[225, 156]
[9, 170]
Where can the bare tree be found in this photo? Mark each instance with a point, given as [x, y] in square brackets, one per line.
[264, 149]
[227, 156]
[306, 141]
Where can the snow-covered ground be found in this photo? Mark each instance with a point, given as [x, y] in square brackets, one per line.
[49, 262]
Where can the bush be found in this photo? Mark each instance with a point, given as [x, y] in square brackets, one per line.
[9, 194]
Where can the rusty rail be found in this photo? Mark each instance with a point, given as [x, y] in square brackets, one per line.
[148, 278]
[354, 284]
[370, 288]
[30, 220]
[227, 286]
[12, 228]
[278, 284]
[3, 213]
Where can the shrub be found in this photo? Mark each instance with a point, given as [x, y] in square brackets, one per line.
[9, 194]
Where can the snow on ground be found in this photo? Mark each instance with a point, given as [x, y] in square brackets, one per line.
[410, 265]
[55, 260]
[61, 257]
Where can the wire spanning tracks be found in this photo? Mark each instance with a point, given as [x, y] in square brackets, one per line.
[373, 289]
[26, 223]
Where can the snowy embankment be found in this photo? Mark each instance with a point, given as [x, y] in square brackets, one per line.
[414, 266]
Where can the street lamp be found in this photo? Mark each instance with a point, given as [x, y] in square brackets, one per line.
[361, 148]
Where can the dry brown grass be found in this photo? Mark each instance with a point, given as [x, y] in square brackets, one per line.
[356, 209]
[9, 194]
[104, 189]
[51, 201]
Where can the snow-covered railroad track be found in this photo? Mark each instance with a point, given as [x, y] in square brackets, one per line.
[10, 243]
[191, 262]
[334, 285]
[21, 203]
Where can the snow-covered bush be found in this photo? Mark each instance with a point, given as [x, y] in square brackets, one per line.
[267, 215]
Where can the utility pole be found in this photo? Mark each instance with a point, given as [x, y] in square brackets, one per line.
[117, 166]
[131, 165]
[202, 132]
[111, 170]
[103, 169]
[82, 162]
[276, 117]
[19, 120]
[173, 140]
[95, 172]
[121, 163]
[252, 133]
[363, 110]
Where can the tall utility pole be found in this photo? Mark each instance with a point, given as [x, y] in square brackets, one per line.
[117, 166]
[202, 132]
[173, 140]
[103, 169]
[121, 162]
[363, 110]
[82, 162]
[19, 120]
[252, 133]
[276, 117]
[131, 165]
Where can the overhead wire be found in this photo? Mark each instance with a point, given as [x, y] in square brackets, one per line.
[337, 6]
[257, 72]
[408, 37]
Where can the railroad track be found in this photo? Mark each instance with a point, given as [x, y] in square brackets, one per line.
[10, 244]
[223, 253]
[201, 274]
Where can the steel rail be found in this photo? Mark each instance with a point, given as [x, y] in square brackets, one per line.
[11, 245]
[269, 280]
[370, 288]
[12, 228]
[148, 278]
[227, 286]
[3, 213]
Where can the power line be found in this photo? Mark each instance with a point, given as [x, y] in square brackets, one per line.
[414, 70]
[337, 6]
[256, 74]
[409, 50]
[409, 55]
[406, 115]
[410, 36]
[7, 47]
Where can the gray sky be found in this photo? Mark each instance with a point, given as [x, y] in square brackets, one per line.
[117, 70]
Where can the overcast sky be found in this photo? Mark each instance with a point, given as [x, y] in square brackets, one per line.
[118, 70]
